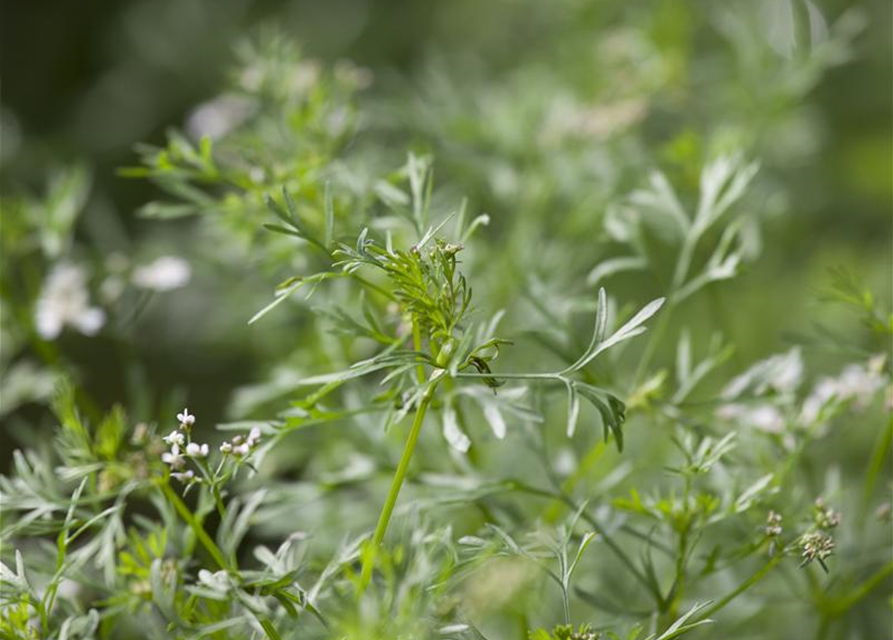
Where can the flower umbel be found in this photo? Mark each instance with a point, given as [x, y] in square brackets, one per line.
[175, 438]
[816, 546]
[186, 420]
[195, 450]
[773, 524]
[65, 300]
[173, 457]
[825, 517]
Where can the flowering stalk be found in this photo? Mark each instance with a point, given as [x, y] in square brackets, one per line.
[195, 525]
[402, 467]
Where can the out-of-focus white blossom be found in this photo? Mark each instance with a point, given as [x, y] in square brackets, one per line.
[175, 438]
[195, 450]
[857, 383]
[351, 74]
[226, 447]
[781, 373]
[184, 476]
[304, 76]
[568, 119]
[64, 300]
[186, 420]
[173, 457]
[163, 274]
[216, 118]
[764, 417]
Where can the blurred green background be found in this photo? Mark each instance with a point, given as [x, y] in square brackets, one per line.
[84, 82]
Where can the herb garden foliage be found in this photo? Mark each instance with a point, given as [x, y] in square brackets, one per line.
[470, 425]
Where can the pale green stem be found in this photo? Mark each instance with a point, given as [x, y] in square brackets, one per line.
[881, 448]
[195, 525]
[863, 590]
[396, 484]
[741, 588]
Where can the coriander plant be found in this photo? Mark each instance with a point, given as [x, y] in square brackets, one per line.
[584, 385]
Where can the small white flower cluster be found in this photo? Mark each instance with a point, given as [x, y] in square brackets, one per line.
[857, 383]
[182, 448]
[240, 446]
[163, 274]
[825, 517]
[218, 117]
[779, 374]
[779, 412]
[816, 546]
[773, 524]
[65, 300]
[765, 417]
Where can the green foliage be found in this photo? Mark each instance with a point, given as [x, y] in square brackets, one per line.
[730, 482]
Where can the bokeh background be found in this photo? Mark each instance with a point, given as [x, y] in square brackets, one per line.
[84, 82]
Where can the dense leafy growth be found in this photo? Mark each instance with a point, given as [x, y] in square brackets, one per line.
[535, 398]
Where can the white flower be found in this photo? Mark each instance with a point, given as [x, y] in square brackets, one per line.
[242, 449]
[764, 417]
[216, 118]
[196, 450]
[856, 382]
[253, 436]
[185, 476]
[175, 437]
[185, 419]
[174, 458]
[226, 447]
[65, 300]
[164, 274]
[781, 373]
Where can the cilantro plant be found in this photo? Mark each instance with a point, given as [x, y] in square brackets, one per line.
[535, 398]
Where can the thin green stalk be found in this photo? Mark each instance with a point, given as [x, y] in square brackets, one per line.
[511, 376]
[863, 590]
[741, 588]
[653, 340]
[374, 287]
[403, 466]
[195, 525]
[417, 345]
[881, 448]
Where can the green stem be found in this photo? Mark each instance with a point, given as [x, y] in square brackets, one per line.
[417, 345]
[653, 340]
[512, 376]
[396, 484]
[195, 525]
[374, 287]
[881, 448]
[741, 588]
[863, 590]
